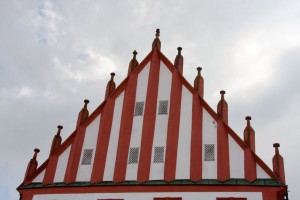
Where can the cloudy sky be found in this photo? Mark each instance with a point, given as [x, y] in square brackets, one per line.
[54, 54]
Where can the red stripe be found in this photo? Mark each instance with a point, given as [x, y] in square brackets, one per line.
[223, 152]
[50, 170]
[196, 140]
[173, 128]
[249, 165]
[149, 119]
[74, 157]
[103, 140]
[125, 129]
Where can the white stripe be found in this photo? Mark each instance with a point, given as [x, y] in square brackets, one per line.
[113, 140]
[209, 135]
[236, 158]
[184, 139]
[90, 140]
[62, 165]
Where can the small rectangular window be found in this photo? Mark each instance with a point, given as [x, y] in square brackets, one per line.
[133, 155]
[159, 153]
[139, 108]
[87, 157]
[209, 152]
[163, 107]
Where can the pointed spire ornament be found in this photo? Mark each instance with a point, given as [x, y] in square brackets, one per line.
[83, 114]
[199, 82]
[222, 108]
[32, 165]
[278, 164]
[56, 142]
[178, 63]
[249, 134]
[111, 85]
[133, 63]
[156, 42]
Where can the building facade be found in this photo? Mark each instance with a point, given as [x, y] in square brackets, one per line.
[155, 138]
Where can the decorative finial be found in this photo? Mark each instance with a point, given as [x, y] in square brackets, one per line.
[110, 87]
[83, 114]
[278, 164]
[36, 150]
[134, 53]
[249, 134]
[157, 33]
[112, 76]
[199, 82]
[179, 50]
[133, 63]
[178, 63]
[276, 145]
[156, 42]
[56, 142]
[222, 108]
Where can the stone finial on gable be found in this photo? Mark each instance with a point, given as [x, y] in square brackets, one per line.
[156, 42]
[56, 142]
[32, 165]
[133, 63]
[278, 164]
[199, 82]
[111, 85]
[83, 114]
[222, 108]
[249, 134]
[178, 63]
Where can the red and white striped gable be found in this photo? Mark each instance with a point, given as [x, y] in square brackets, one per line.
[154, 126]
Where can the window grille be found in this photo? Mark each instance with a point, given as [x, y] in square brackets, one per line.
[159, 153]
[163, 107]
[87, 157]
[133, 155]
[139, 108]
[209, 152]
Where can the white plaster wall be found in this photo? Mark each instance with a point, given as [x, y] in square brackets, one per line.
[236, 159]
[62, 165]
[209, 136]
[40, 177]
[114, 139]
[161, 122]
[137, 126]
[261, 173]
[184, 139]
[150, 195]
[90, 140]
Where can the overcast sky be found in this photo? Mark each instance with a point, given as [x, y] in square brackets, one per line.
[55, 54]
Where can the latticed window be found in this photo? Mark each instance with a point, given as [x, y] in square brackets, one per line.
[87, 157]
[133, 155]
[163, 107]
[209, 152]
[159, 153]
[139, 108]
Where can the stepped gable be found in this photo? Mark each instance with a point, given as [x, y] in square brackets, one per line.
[155, 128]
